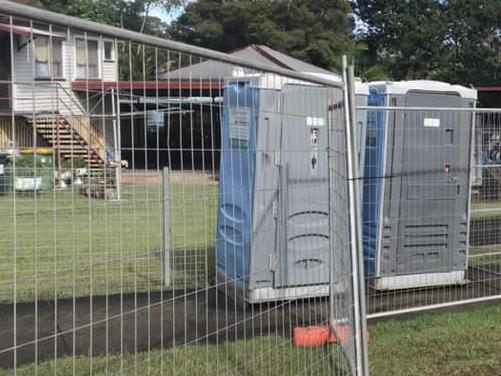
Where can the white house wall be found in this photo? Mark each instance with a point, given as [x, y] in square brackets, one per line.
[109, 71]
[38, 96]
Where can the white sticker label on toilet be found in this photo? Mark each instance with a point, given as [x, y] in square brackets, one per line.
[429, 122]
[315, 121]
[239, 127]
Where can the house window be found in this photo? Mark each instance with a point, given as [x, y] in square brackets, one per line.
[87, 59]
[109, 51]
[48, 58]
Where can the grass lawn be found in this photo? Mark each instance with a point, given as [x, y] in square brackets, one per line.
[62, 243]
[265, 356]
[466, 343]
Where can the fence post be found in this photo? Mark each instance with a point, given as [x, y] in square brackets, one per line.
[358, 281]
[115, 112]
[166, 204]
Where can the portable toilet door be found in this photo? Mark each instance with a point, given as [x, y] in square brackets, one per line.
[303, 230]
[418, 182]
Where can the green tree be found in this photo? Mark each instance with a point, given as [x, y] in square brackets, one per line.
[299, 28]
[331, 58]
[405, 36]
[452, 40]
[473, 39]
[132, 15]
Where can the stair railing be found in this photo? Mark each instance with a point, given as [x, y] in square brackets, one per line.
[83, 127]
[79, 123]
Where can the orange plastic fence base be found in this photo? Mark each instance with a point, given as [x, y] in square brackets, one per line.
[315, 336]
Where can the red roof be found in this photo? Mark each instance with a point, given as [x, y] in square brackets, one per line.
[489, 89]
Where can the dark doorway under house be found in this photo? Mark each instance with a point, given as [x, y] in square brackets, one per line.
[183, 137]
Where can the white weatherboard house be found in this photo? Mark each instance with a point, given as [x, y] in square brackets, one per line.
[43, 74]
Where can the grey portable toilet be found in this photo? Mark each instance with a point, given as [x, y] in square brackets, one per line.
[416, 185]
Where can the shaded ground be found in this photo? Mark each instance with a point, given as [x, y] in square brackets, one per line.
[194, 318]
[142, 322]
[485, 231]
[467, 343]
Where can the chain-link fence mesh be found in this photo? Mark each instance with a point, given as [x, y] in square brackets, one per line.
[171, 210]
[429, 204]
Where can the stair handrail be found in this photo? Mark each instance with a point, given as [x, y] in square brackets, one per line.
[88, 133]
[84, 129]
[70, 96]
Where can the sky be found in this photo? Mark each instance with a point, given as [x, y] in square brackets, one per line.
[167, 17]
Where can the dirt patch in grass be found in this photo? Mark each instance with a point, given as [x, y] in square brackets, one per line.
[147, 178]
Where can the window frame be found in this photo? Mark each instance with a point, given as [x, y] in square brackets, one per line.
[50, 59]
[99, 55]
[112, 58]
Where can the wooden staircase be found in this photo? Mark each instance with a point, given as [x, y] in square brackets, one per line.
[77, 138]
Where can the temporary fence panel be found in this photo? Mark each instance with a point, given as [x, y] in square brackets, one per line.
[449, 232]
[348, 295]
[127, 261]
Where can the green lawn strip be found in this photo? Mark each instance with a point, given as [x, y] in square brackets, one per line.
[484, 249]
[259, 356]
[65, 241]
[69, 244]
[466, 343]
